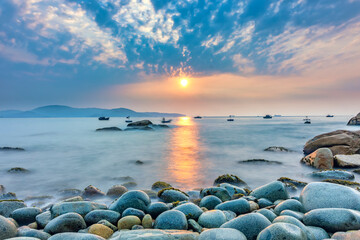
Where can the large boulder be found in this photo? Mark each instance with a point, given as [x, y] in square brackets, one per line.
[7, 228]
[354, 120]
[321, 158]
[142, 123]
[347, 161]
[135, 199]
[328, 195]
[339, 142]
[272, 191]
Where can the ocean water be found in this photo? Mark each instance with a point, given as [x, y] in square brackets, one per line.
[66, 153]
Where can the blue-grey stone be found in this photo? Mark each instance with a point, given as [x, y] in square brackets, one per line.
[190, 210]
[282, 231]
[133, 212]
[80, 207]
[28, 232]
[328, 195]
[232, 189]
[7, 228]
[333, 219]
[222, 234]
[290, 204]
[267, 213]
[8, 206]
[194, 225]
[298, 215]
[155, 209]
[76, 236]
[172, 219]
[43, 218]
[97, 215]
[249, 224]
[194, 194]
[210, 202]
[272, 191]
[230, 215]
[263, 202]
[238, 206]
[220, 192]
[135, 199]
[334, 174]
[292, 220]
[26, 215]
[212, 219]
[172, 195]
[318, 233]
[68, 222]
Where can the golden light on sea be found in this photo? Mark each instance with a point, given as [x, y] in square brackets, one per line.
[184, 82]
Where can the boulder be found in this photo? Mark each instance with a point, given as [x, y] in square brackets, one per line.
[219, 192]
[277, 149]
[347, 161]
[172, 219]
[142, 123]
[155, 209]
[222, 234]
[339, 142]
[271, 191]
[328, 195]
[8, 206]
[190, 210]
[229, 178]
[282, 231]
[238, 206]
[210, 202]
[25, 216]
[76, 236]
[43, 218]
[128, 222]
[69, 222]
[80, 207]
[212, 219]
[7, 228]
[97, 215]
[263, 202]
[354, 120]
[321, 158]
[135, 199]
[296, 222]
[334, 174]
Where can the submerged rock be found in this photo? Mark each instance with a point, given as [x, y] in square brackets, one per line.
[322, 158]
[92, 192]
[18, 170]
[229, 178]
[277, 149]
[347, 161]
[259, 161]
[159, 185]
[292, 181]
[108, 129]
[116, 191]
[141, 123]
[333, 174]
[11, 149]
[354, 120]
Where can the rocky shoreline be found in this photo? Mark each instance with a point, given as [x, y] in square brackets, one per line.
[227, 210]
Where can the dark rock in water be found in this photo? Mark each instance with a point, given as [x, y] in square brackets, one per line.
[76, 236]
[157, 186]
[135, 199]
[222, 234]
[342, 182]
[277, 149]
[210, 202]
[333, 174]
[69, 222]
[212, 219]
[321, 158]
[229, 178]
[339, 142]
[141, 123]
[116, 191]
[354, 120]
[271, 191]
[156, 208]
[190, 210]
[11, 149]
[285, 231]
[7, 228]
[8, 196]
[160, 126]
[238, 206]
[145, 128]
[98, 215]
[108, 129]
[259, 161]
[18, 170]
[169, 195]
[28, 232]
[139, 162]
[130, 184]
[219, 192]
[292, 181]
[25, 216]
[8, 206]
[133, 212]
[92, 192]
[172, 219]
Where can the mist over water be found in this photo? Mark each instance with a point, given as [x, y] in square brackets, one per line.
[68, 153]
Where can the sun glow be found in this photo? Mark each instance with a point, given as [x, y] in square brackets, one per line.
[184, 82]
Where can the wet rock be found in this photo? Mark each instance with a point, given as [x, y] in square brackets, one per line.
[219, 192]
[190, 210]
[290, 204]
[238, 206]
[157, 186]
[317, 232]
[347, 161]
[18, 170]
[8, 196]
[116, 191]
[277, 149]
[108, 129]
[8, 206]
[142, 123]
[69, 222]
[229, 178]
[268, 214]
[133, 212]
[11, 149]
[26, 215]
[263, 202]
[172, 219]
[333, 174]
[282, 231]
[8, 228]
[28, 232]
[135, 199]
[92, 192]
[322, 158]
[101, 230]
[333, 219]
[210, 202]
[259, 161]
[169, 195]
[97, 215]
[43, 218]
[250, 224]
[76, 236]
[222, 234]
[212, 219]
[128, 222]
[296, 222]
[155, 209]
[271, 191]
[81, 207]
[354, 120]
[147, 221]
[233, 189]
[298, 215]
[327, 195]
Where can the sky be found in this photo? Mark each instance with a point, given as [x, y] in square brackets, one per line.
[240, 57]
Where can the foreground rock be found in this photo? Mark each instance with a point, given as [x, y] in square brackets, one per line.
[25, 216]
[28, 232]
[135, 199]
[69, 222]
[354, 120]
[322, 158]
[155, 234]
[271, 191]
[283, 231]
[347, 161]
[222, 234]
[339, 142]
[76, 236]
[8, 206]
[7, 228]
[172, 219]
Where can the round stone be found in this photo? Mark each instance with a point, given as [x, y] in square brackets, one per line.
[68, 222]
[222, 234]
[210, 202]
[7, 228]
[97, 215]
[172, 219]
[128, 222]
[190, 210]
[282, 231]
[212, 219]
[100, 230]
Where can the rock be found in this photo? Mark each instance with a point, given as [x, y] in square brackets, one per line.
[97, 215]
[80, 207]
[346, 235]
[116, 191]
[253, 206]
[137, 227]
[76, 236]
[292, 181]
[298, 215]
[172, 219]
[155, 234]
[192, 224]
[139, 162]
[128, 222]
[250, 224]
[18, 170]
[212, 219]
[133, 212]
[129, 185]
[238, 206]
[101, 230]
[150, 193]
[135, 199]
[43, 218]
[263, 202]
[317, 232]
[271, 191]
[347, 161]
[222, 234]
[354, 120]
[322, 158]
[7, 228]
[147, 221]
[259, 161]
[277, 149]
[8, 206]
[11, 149]
[290, 204]
[169, 195]
[229, 178]
[282, 231]
[342, 182]
[71, 192]
[268, 214]
[333, 219]
[108, 224]
[339, 142]
[210, 202]
[327, 195]
[92, 192]
[229, 215]
[26, 215]
[294, 221]
[334, 174]
[28, 232]
[219, 192]
[142, 123]
[190, 210]
[23, 238]
[233, 189]
[157, 186]
[155, 209]
[68, 222]
[8, 196]
[108, 129]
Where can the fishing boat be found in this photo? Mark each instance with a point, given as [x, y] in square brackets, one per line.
[128, 120]
[198, 117]
[329, 115]
[104, 118]
[307, 120]
[166, 121]
[267, 116]
[231, 118]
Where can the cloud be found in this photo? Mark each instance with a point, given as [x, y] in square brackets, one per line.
[21, 56]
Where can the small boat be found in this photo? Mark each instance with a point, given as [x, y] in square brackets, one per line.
[231, 118]
[104, 118]
[267, 116]
[166, 121]
[329, 115]
[198, 117]
[128, 120]
[307, 120]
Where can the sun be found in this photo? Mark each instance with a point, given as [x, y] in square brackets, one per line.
[184, 82]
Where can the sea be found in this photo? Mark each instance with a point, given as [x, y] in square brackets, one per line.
[63, 153]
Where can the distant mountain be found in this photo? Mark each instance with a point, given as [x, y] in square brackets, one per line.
[54, 111]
